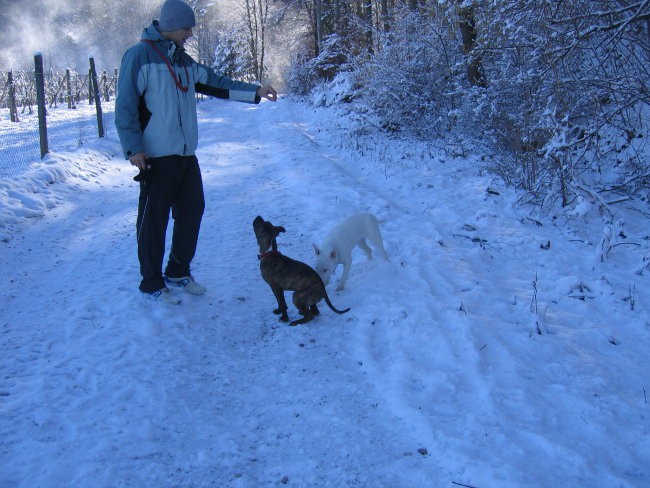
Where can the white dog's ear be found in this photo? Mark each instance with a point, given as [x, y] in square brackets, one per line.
[316, 250]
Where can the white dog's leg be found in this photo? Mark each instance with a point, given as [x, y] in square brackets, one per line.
[375, 238]
[363, 245]
[380, 245]
[346, 271]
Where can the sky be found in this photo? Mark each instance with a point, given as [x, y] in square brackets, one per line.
[67, 33]
[37, 26]
[498, 346]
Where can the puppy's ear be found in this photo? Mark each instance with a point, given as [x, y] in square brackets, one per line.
[316, 249]
[277, 230]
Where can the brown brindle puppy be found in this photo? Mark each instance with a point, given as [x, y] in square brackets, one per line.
[283, 273]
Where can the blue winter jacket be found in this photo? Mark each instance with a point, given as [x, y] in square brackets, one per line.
[155, 111]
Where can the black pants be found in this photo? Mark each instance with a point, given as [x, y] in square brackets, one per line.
[173, 183]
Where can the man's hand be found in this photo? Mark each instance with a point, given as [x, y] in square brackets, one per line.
[140, 161]
[267, 91]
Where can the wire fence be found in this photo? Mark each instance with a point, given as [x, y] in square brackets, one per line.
[67, 130]
[77, 109]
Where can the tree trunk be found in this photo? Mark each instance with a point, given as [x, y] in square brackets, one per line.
[318, 27]
[385, 17]
[367, 14]
[467, 26]
[256, 18]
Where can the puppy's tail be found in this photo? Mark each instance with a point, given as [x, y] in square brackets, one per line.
[329, 304]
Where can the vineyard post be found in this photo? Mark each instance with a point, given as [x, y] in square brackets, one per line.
[90, 86]
[76, 97]
[98, 100]
[13, 112]
[69, 87]
[105, 86]
[40, 101]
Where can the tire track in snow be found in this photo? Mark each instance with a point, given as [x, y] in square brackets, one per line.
[218, 391]
[391, 357]
[294, 379]
[440, 265]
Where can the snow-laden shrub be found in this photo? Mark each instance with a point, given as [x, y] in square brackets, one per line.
[308, 72]
[340, 90]
[567, 94]
[411, 82]
[232, 58]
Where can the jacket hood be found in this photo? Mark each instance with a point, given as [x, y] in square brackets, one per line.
[152, 33]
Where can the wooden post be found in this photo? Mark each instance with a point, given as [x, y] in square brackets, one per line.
[76, 97]
[98, 100]
[69, 87]
[13, 112]
[90, 86]
[104, 84]
[40, 101]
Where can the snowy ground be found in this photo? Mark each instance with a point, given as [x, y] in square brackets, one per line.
[492, 350]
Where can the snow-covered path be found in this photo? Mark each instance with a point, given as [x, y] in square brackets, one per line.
[467, 358]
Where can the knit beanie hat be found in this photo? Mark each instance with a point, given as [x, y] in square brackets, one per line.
[175, 15]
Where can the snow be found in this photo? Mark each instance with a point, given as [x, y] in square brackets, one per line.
[496, 348]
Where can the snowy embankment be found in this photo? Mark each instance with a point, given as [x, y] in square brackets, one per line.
[492, 350]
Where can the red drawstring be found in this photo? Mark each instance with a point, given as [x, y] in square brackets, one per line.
[169, 67]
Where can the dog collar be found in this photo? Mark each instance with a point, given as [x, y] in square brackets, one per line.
[267, 254]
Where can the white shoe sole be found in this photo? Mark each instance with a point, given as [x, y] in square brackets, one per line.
[166, 296]
[188, 285]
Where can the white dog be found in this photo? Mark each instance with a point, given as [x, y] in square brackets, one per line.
[337, 246]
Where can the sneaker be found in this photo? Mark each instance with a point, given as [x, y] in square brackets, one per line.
[187, 284]
[166, 295]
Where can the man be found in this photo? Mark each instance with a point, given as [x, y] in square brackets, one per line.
[155, 117]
